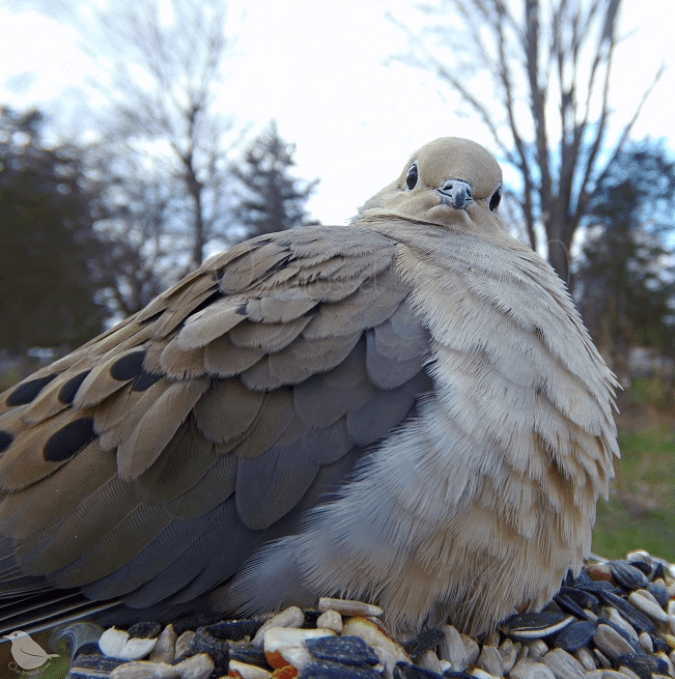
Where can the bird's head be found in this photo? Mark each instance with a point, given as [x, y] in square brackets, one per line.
[448, 182]
[18, 634]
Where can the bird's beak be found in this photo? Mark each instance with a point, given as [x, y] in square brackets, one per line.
[456, 193]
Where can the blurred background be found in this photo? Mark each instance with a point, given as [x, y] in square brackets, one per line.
[138, 137]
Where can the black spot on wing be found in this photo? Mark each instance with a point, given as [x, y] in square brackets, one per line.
[69, 389]
[281, 264]
[128, 366]
[207, 302]
[153, 317]
[27, 391]
[5, 440]
[70, 440]
[145, 381]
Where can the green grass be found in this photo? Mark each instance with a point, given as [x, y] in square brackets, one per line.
[641, 511]
[649, 391]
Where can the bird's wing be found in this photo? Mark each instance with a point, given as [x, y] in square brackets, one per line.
[155, 459]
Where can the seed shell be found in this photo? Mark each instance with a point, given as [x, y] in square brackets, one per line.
[537, 625]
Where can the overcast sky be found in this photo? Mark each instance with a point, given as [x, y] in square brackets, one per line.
[319, 69]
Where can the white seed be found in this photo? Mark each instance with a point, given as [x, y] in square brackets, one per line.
[602, 658]
[586, 658]
[247, 671]
[184, 643]
[118, 644]
[387, 650]
[454, 649]
[509, 653]
[611, 643]
[429, 661]
[537, 648]
[646, 642]
[330, 620]
[198, 666]
[614, 616]
[141, 669]
[112, 641]
[349, 607]
[563, 665]
[639, 555]
[137, 648]
[526, 669]
[647, 595]
[481, 674]
[290, 617]
[492, 639]
[650, 608]
[445, 665]
[298, 656]
[490, 661]
[278, 639]
[165, 648]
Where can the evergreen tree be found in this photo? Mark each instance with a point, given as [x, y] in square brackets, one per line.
[47, 296]
[270, 199]
[626, 281]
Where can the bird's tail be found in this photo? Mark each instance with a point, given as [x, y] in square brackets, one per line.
[29, 604]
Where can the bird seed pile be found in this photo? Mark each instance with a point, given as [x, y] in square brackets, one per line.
[615, 620]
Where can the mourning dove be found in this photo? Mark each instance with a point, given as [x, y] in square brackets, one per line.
[407, 409]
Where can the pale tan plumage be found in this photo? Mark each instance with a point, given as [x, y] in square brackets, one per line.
[410, 406]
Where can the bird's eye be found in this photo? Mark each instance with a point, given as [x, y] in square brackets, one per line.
[496, 197]
[411, 179]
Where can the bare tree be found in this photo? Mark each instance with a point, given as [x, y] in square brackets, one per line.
[133, 219]
[163, 156]
[548, 109]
